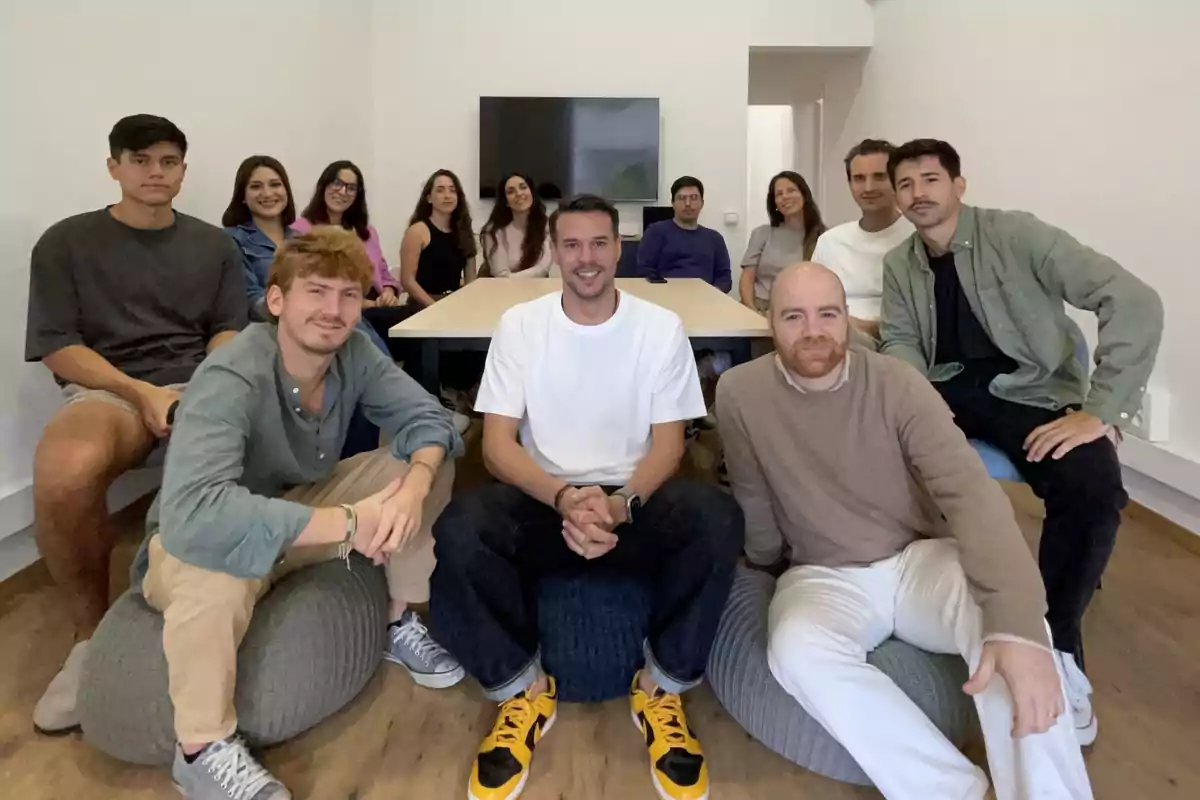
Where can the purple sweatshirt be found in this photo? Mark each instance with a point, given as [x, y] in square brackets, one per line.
[383, 276]
[669, 251]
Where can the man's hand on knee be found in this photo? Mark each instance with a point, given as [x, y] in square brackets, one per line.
[154, 404]
[1032, 679]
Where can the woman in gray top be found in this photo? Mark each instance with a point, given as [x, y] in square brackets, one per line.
[790, 238]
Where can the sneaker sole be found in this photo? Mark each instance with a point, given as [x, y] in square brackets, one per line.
[658, 787]
[1087, 734]
[76, 728]
[430, 680]
[520, 787]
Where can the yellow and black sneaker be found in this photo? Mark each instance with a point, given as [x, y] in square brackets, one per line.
[676, 761]
[502, 766]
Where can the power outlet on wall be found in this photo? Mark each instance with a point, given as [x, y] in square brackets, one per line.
[1150, 422]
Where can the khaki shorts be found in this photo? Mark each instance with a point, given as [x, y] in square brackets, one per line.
[74, 393]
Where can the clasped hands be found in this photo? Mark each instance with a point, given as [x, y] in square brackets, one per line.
[589, 516]
[388, 519]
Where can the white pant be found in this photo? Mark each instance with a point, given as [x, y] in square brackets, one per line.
[824, 621]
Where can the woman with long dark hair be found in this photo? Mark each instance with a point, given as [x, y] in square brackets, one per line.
[258, 218]
[340, 198]
[515, 238]
[437, 254]
[790, 237]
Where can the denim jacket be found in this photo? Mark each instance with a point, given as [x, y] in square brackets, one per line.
[1016, 272]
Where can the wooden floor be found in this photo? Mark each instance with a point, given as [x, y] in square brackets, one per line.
[399, 741]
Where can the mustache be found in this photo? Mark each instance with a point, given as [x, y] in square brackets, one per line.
[815, 341]
[326, 320]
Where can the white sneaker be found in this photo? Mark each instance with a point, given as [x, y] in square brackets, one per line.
[1079, 696]
[56, 714]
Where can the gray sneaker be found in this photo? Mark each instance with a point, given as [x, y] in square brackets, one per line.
[225, 770]
[411, 646]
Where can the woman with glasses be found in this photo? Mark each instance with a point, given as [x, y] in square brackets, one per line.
[515, 238]
[437, 254]
[790, 238]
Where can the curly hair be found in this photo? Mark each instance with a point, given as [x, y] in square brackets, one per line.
[460, 217]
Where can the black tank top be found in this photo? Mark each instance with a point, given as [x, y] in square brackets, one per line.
[441, 266]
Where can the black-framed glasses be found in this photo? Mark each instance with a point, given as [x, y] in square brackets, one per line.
[338, 185]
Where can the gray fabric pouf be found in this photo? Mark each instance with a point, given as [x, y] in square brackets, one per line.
[314, 642]
[742, 681]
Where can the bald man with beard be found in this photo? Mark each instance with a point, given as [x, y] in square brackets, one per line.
[848, 465]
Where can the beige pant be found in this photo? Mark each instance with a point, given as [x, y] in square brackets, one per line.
[206, 613]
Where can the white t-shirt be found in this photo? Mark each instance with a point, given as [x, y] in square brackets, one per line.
[857, 258]
[587, 395]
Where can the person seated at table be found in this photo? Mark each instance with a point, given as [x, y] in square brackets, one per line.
[855, 250]
[340, 198]
[253, 489]
[585, 395]
[437, 256]
[124, 304]
[993, 284]
[683, 248]
[515, 239]
[852, 460]
[790, 237]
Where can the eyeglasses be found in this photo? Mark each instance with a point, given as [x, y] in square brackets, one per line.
[350, 189]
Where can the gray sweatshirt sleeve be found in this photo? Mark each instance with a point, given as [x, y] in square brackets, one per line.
[207, 518]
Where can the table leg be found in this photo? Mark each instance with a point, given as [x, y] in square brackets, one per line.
[430, 358]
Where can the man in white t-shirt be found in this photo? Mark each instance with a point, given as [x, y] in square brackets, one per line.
[585, 395]
[855, 250]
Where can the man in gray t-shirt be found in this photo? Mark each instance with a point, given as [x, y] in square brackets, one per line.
[124, 304]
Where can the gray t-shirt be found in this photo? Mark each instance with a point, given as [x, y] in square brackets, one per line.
[770, 252]
[149, 301]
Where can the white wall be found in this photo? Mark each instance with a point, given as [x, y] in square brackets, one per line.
[390, 84]
[1084, 112]
[237, 77]
[770, 149]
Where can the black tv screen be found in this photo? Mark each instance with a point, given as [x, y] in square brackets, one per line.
[571, 145]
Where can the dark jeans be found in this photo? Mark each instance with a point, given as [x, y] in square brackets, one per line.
[494, 542]
[384, 318]
[1083, 493]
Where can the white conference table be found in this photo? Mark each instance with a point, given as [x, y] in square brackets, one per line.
[466, 319]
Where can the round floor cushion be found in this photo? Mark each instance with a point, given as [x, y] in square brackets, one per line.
[591, 627]
[314, 641]
[742, 681]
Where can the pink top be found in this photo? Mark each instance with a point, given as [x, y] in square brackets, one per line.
[383, 276]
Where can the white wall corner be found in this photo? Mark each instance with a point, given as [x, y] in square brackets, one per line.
[16, 505]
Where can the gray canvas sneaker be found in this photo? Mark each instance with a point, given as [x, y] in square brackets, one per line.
[225, 770]
[411, 646]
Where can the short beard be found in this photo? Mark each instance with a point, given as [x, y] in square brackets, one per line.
[812, 368]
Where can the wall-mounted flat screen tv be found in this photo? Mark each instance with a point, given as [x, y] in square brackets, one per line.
[571, 145]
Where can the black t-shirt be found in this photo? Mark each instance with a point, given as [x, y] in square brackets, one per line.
[148, 301]
[960, 336]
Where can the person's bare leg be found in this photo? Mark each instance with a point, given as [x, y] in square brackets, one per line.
[86, 446]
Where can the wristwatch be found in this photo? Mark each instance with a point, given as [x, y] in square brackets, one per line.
[633, 503]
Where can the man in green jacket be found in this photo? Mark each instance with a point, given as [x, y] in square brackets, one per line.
[974, 299]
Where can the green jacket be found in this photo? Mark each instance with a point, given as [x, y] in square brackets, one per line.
[1016, 271]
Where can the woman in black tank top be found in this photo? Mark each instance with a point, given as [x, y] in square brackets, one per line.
[438, 252]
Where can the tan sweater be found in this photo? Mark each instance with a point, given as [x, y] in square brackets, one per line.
[505, 255]
[854, 475]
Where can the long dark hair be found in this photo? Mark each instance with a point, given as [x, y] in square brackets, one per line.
[460, 218]
[238, 213]
[813, 225]
[502, 216]
[355, 217]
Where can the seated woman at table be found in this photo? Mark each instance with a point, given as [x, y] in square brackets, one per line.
[437, 256]
[340, 198]
[789, 239]
[516, 238]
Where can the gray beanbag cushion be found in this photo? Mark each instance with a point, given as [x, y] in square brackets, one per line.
[742, 681]
[314, 641]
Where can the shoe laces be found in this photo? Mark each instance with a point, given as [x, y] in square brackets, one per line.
[415, 636]
[664, 712]
[236, 770]
[515, 715]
